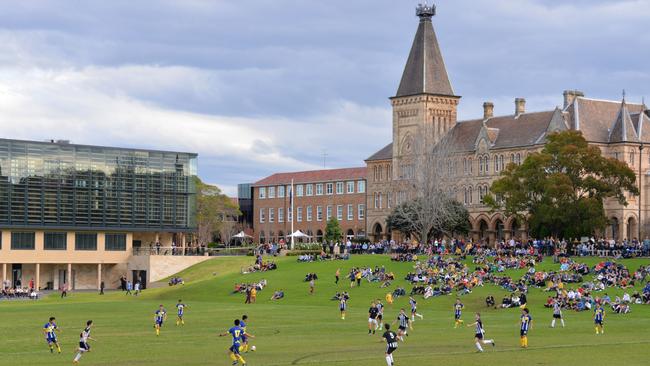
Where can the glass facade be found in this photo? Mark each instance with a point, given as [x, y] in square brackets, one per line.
[62, 185]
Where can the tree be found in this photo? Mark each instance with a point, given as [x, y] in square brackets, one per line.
[333, 230]
[560, 191]
[213, 208]
[454, 218]
[426, 173]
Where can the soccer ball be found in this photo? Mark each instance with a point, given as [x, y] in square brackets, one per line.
[253, 348]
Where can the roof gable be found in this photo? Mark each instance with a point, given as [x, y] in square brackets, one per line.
[623, 130]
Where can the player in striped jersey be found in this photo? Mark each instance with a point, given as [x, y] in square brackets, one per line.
[414, 309]
[404, 323]
[526, 323]
[343, 306]
[380, 313]
[458, 312]
[557, 313]
[180, 312]
[84, 337]
[480, 333]
[391, 344]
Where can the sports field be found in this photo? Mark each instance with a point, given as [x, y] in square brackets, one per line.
[307, 330]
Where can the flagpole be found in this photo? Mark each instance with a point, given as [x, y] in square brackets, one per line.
[292, 214]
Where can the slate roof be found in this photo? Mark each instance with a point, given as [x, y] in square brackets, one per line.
[384, 154]
[425, 70]
[599, 120]
[312, 176]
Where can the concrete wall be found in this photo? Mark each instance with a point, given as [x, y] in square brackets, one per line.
[159, 267]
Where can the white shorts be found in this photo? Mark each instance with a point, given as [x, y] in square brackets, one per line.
[372, 321]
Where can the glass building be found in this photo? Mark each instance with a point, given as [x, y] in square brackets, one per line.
[63, 186]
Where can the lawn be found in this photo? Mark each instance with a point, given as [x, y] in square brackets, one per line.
[306, 330]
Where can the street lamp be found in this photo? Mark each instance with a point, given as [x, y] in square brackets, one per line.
[640, 189]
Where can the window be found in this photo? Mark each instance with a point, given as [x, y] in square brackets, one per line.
[496, 163]
[350, 187]
[280, 191]
[319, 189]
[350, 212]
[470, 192]
[631, 157]
[362, 211]
[310, 189]
[23, 241]
[262, 193]
[115, 242]
[361, 186]
[480, 165]
[329, 188]
[289, 214]
[501, 162]
[262, 215]
[299, 214]
[339, 212]
[85, 241]
[381, 203]
[299, 190]
[487, 164]
[271, 192]
[518, 159]
[390, 199]
[465, 166]
[280, 214]
[329, 212]
[481, 193]
[465, 196]
[271, 215]
[310, 213]
[55, 241]
[319, 213]
[339, 187]
[470, 163]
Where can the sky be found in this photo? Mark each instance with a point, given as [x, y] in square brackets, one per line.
[264, 86]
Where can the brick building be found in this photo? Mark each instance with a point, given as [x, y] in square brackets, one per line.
[318, 196]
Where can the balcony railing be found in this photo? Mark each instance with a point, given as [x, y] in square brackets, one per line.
[192, 251]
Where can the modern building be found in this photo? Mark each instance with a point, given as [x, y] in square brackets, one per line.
[75, 215]
[245, 202]
[319, 195]
[425, 109]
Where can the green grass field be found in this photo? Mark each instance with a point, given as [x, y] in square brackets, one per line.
[307, 330]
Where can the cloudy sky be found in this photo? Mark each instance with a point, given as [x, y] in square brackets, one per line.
[262, 86]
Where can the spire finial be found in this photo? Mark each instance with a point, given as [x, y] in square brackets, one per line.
[623, 94]
[425, 11]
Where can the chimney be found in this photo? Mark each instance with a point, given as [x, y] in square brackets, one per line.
[488, 110]
[570, 96]
[520, 106]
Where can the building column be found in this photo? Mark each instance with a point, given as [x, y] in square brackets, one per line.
[37, 284]
[4, 274]
[69, 284]
[99, 276]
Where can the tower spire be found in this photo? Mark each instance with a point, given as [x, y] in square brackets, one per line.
[425, 71]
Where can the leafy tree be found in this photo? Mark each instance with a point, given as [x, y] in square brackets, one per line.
[560, 191]
[453, 218]
[333, 230]
[213, 210]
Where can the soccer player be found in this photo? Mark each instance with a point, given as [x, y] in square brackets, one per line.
[391, 344]
[84, 337]
[338, 274]
[380, 313]
[50, 330]
[414, 309]
[458, 312]
[480, 332]
[372, 318]
[343, 306]
[557, 313]
[526, 324]
[159, 317]
[236, 332]
[180, 311]
[599, 317]
[404, 323]
[242, 324]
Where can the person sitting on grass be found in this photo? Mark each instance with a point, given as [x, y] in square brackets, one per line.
[277, 295]
[489, 301]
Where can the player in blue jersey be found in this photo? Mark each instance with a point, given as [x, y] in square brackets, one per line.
[458, 312]
[180, 311]
[159, 317]
[599, 318]
[236, 332]
[480, 333]
[526, 322]
[242, 324]
[343, 307]
[50, 328]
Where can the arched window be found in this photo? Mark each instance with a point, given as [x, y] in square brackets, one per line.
[470, 192]
[471, 166]
[480, 165]
[512, 158]
[518, 159]
[501, 162]
[487, 164]
[496, 163]
[465, 197]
